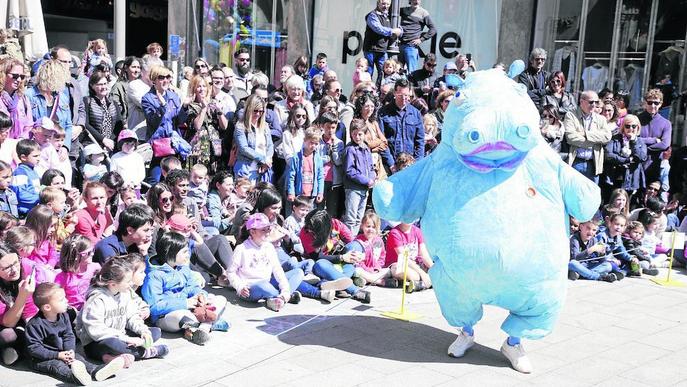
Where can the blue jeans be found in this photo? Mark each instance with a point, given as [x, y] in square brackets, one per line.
[376, 60]
[327, 272]
[356, 199]
[410, 55]
[586, 167]
[594, 272]
[289, 263]
[269, 289]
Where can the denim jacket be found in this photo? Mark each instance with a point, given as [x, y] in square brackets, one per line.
[403, 129]
[294, 175]
[9, 203]
[246, 155]
[63, 114]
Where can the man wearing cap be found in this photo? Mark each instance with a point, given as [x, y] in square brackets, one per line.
[134, 234]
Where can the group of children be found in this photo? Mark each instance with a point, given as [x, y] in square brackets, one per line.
[615, 247]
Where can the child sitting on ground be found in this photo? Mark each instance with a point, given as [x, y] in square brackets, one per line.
[42, 221]
[632, 240]
[55, 199]
[127, 162]
[109, 324]
[8, 199]
[51, 344]
[138, 275]
[294, 222]
[406, 241]
[370, 242]
[255, 271]
[76, 263]
[616, 253]
[26, 182]
[650, 241]
[94, 169]
[587, 257]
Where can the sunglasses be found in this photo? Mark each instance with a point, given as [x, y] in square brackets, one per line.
[261, 111]
[546, 116]
[301, 115]
[86, 253]
[163, 77]
[432, 65]
[556, 81]
[166, 200]
[201, 66]
[594, 102]
[655, 103]
[21, 77]
[631, 126]
[243, 59]
[337, 90]
[540, 59]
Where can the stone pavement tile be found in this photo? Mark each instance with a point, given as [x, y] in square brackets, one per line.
[672, 339]
[619, 381]
[634, 353]
[325, 359]
[561, 332]
[659, 372]
[482, 378]
[345, 376]
[542, 364]
[410, 376]
[660, 301]
[591, 370]
[554, 380]
[645, 322]
[593, 320]
[571, 350]
[267, 374]
[677, 313]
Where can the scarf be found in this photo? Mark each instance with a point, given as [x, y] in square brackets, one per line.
[106, 124]
[12, 104]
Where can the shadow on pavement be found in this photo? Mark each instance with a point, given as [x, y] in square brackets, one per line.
[377, 337]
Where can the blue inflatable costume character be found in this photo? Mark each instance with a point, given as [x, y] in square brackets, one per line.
[494, 201]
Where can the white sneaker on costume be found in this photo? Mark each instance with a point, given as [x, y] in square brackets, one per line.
[462, 343]
[517, 357]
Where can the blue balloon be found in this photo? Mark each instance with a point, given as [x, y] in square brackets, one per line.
[494, 201]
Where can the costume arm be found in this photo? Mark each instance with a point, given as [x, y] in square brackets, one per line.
[403, 196]
[580, 195]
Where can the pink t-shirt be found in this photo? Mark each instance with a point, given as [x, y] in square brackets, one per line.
[399, 239]
[46, 256]
[7, 300]
[76, 285]
[375, 253]
[88, 226]
[308, 173]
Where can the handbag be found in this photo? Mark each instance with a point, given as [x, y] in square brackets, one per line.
[162, 147]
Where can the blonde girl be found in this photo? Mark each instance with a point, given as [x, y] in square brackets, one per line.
[369, 242]
[254, 143]
[431, 132]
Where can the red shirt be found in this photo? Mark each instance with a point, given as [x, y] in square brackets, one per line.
[92, 227]
[308, 172]
[399, 239]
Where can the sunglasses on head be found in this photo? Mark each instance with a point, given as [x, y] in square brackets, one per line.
[21, 77]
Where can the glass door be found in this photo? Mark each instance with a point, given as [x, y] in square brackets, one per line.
[594, 72]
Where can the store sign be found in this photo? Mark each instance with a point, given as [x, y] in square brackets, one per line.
[463, 26]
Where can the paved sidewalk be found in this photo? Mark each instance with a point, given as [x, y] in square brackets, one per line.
[629, 333]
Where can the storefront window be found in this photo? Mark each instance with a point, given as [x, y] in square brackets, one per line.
[259, 25]
[597, 45]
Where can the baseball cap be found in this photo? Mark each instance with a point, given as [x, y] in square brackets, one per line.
[450, 66]
[126, 134]
[45, 123]
[180, 223]
[92, 149]
[257, 221]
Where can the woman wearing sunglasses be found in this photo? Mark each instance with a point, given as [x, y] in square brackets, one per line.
[625, 154]
[557, 96]
[13, 102]
[656, 133]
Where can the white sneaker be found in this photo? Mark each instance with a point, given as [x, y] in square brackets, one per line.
[462, 343]
[80, 373]
[110, 369]
[517, 357]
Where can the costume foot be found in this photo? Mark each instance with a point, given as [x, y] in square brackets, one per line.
[462, 343]
[517, 357]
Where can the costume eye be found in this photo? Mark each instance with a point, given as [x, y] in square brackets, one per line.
[473, 136]
[523, 131]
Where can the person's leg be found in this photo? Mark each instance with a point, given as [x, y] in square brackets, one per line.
[602, 269]
[411, 55]
[327, 272]
[203, 258]
[262, 290]
[582, 270]
[330, 199]
[294, 276]
[221, 250]
[112, 346]
[380, 58]
[352, 206]
[370, 56]
[57, 369]
[174, 321]
[306, 265]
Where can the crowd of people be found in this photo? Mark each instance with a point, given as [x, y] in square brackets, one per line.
[123, 197]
